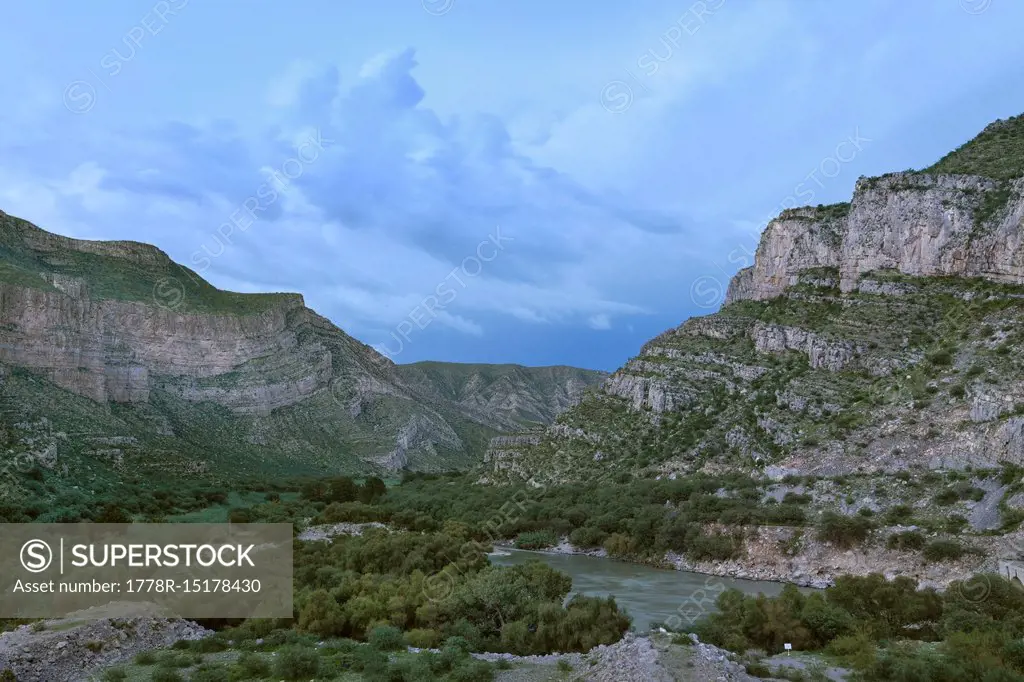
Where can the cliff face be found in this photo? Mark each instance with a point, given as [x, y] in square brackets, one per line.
[914, 223]
[868, 337]
[208, 375]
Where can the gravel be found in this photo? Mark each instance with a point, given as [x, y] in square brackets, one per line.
[74, 648]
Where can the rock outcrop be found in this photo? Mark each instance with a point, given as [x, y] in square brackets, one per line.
[867, 337]
[914, 223]
[210, 373]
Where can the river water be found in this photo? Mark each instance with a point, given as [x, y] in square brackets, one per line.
[648, 594]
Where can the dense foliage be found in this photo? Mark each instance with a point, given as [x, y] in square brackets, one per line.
[434, 586]
[886, 629]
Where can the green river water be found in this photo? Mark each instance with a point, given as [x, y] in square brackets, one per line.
[648, 594]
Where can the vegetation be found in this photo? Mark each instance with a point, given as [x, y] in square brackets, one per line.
[886, 630]
[997, 152]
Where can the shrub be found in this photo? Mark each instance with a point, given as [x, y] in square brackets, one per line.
[178, 659]
[166, 675]
[538, 539]
[115, 675]
[252, 665]
[423, 638]
[943, 550]
[145, 658]
[843, 531]
[209, 645]
[909, 539]
[587, 536]
[210, 672]
[296, 663]
[618, 544]
[898, 514]
[713, 548]
[386, 638]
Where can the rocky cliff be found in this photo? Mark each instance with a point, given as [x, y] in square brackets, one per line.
[869, 339]
[867, 336]
[113, 340]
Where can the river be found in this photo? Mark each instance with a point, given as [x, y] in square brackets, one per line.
[648, 594]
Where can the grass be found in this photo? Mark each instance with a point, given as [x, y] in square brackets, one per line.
[997, 152]
[118, 270]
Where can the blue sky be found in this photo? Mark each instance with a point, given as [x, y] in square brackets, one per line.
[528, 181]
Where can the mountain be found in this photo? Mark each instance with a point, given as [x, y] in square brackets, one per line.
[868, 337]
[115, 358]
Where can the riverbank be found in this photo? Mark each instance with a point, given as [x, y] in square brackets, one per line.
[793, 555]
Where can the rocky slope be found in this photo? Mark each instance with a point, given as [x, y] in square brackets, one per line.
[868, 338]
[113, 355]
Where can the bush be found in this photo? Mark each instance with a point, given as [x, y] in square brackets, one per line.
[386, 638]
[166, 675]
[115, 675]
[843, 531]
[943, 550]
[713, 548]
[900, 513]
[210, 672]
[145, 658]
[252, 666]
[296, 663]
[423, 638]
[539, 539]
[909, 539]
[587, 536]
[178, 659]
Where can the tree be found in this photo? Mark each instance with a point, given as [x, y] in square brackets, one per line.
[372, 488]
[341, 489]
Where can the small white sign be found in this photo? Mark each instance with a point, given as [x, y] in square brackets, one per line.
[788, 646]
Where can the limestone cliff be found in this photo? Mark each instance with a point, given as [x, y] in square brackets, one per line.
[206, 375]
[869, 336]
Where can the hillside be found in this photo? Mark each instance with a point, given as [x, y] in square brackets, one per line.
[870, 336]
[867, 363]
[114, 358]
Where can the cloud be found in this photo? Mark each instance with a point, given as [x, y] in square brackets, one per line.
[395, 203]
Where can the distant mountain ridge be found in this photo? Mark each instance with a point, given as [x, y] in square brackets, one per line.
[114, 342]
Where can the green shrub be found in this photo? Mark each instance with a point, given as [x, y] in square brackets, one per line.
[943, 550]
[386, 638]
[423, 638]
[587, 536]
[901, 513]
[295, 662]
[210, 672]
[209, 645]
[539, 539]
[252, 666]
[115, 675]
[166, 675]
[145, 658]
[7, 675]
[843, 531]
[178, 659]
[906, 540]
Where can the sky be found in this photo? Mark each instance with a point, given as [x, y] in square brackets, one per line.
[532, 182]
